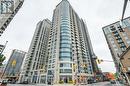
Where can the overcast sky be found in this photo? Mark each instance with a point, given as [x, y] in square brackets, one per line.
[96, 13]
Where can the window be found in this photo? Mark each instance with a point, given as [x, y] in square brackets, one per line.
[128, 68]
[128, 41]
[61, 70]
[65, 70]
[65, 27]
[68, 70]
[65, 59]
[65, 65]
[65, 50]
[65, 31]
[126, 23]
[65, 54]
[65, 37]
[65, 34]
[126, 37]
[65, 41]
[65, 45]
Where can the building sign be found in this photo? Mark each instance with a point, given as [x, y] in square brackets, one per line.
[13, 63]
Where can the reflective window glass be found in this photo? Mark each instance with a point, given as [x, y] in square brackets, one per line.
[65, 45]
[67, 54]
[65, 41]
[65, 59]
[65, 50]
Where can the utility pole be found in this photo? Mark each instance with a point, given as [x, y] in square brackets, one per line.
[124, 8]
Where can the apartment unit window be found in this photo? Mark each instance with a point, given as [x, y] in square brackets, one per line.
[65, 37]
[126, 37]
[129, 58]
[65, 59]
[65, 70]
[65, 65]
[65, 45]
[53, 65]
[64, 54]
[128, 68]
[65, 50]
[128, 41]
[126, 23]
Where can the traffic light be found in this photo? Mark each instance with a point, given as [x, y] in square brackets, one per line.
[85, 65]
[74, 67]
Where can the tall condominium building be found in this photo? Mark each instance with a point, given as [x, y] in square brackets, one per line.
[60, 52]
[70, 51]
[12, 69]
[8, 9]
[35, 64]
[118, 39]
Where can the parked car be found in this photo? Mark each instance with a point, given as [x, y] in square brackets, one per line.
[4, 82]
[24, 82]
[113, 81]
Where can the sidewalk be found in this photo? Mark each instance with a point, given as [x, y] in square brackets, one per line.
[62, 85]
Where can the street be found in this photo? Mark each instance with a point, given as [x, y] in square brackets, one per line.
[94, 84]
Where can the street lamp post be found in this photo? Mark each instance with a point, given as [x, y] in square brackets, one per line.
[124, 8]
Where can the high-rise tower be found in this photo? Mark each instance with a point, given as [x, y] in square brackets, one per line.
[70, 51]
[8, 9]
[35, 64]
[69, 55]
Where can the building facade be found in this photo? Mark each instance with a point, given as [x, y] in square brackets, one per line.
[70, 51]
[125, 60]
[61, 51]
[12, 69]
[2, 68]
[118, 39]
[8, 9]
[1, 48]
[35, 64]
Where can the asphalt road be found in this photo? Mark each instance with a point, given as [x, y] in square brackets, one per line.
[94, 84]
